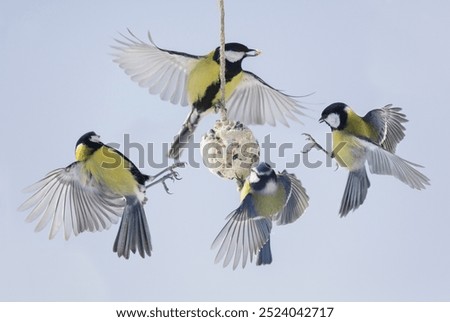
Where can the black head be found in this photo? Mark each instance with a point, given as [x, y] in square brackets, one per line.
[91, 140]
[335, 115]
[235, 52]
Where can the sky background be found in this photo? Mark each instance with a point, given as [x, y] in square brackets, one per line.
[58, 81]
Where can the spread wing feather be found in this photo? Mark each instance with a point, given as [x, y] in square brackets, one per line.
[68, 197]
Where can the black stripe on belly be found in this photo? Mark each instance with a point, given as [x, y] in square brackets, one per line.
[205, 102]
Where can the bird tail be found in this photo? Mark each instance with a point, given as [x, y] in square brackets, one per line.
[355, 191]
[133, 233]
[264, 255]
[185, 133]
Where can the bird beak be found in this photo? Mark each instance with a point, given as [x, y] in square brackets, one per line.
[321, 120]
[253, 53]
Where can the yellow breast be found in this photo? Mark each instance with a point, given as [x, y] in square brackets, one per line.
[112, 170]
[347, 150]
[266, 205]
[269, 205]
[230, 87]
[204, 74]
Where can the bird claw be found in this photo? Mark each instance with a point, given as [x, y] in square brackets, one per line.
[316, 145]
[312, 145]
[172, 175]
[166, 188]
[176, 176]
[218, 107]
[337, 167]
[178, 165]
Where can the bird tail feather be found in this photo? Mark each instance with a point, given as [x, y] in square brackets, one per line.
[264, 255]
[134, 233]
[355, 191]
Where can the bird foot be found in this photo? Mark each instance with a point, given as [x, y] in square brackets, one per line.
[172, 175]
[218, 107]
[313, 144]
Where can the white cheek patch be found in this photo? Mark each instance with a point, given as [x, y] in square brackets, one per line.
[253, 177]
[95, 138]
[333, 120]
[233, 56]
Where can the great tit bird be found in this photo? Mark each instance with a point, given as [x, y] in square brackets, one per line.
[92, 193]
[189, 79]
[372, 138]
[265, 197]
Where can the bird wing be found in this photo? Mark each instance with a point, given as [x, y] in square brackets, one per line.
[382, 161]
[244, 234]
[70, 197]
[296, 202]
[255, 102]
[162, 71]
[388, 123]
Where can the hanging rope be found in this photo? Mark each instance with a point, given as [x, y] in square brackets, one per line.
[223, 109]
[230, 146]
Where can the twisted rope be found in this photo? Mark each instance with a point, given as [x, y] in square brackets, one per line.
[223, 109]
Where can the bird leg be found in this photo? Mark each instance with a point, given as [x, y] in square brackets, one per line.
[313, 144]
[189, 123]
[170, 168]
[173, 175]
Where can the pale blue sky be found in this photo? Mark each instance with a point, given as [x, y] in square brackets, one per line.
[58, 81]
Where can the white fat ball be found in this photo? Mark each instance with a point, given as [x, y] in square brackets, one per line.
[230, 150]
